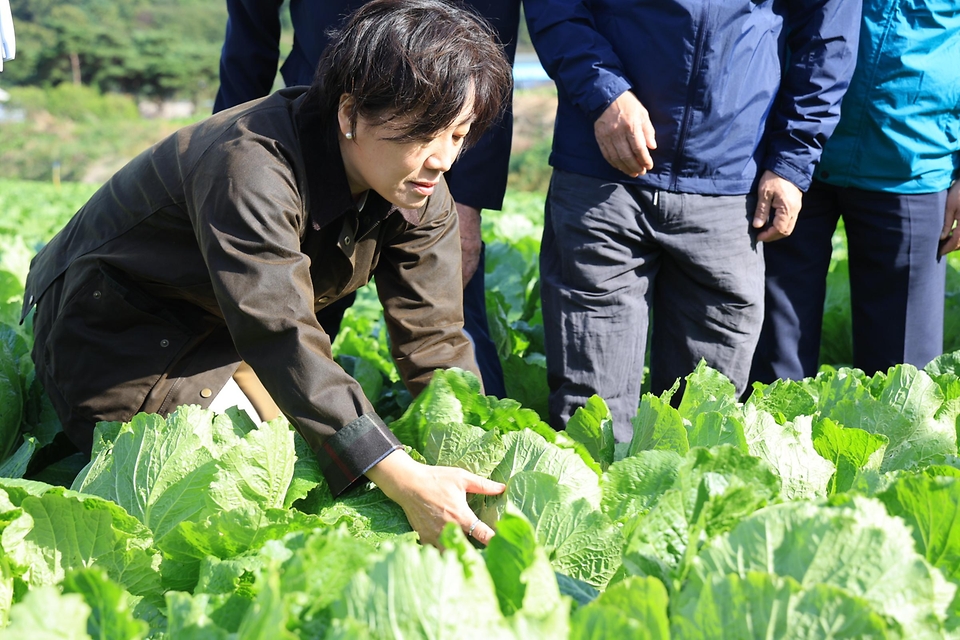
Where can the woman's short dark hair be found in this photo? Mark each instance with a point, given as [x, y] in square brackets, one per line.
[418, 61]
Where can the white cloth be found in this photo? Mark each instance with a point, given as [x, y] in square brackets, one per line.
[232, 396]
[8, 44]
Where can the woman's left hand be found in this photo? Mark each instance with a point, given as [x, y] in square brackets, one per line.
[433, 496]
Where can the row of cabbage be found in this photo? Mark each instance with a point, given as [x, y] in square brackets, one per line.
[822, 508]
[817, 508]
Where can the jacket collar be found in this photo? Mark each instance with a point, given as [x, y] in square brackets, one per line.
[328, 191]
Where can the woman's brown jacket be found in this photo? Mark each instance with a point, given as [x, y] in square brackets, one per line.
[221, 243]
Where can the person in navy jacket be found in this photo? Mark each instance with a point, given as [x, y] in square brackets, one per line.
[686, 132]
[890, 172]
[248, 67]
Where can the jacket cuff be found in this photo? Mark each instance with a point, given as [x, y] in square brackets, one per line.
[607, 89]
[353, 450]
[801, 179]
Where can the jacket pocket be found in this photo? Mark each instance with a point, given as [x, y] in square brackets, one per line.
[109, 345]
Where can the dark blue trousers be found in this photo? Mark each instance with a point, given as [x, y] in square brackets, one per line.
[897, 283]
[475, 324]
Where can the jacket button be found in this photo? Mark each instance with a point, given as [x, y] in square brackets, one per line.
[164, 343]
[346, 240]
[205, 393]
[96, 295]
[322, 299]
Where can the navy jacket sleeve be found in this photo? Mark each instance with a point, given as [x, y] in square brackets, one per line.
[574, 54]
[479, 178]
[822, 44]
[251, 52]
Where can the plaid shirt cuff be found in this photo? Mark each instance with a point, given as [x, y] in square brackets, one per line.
[353, 450]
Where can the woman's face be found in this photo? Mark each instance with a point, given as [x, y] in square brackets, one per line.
[404, 173]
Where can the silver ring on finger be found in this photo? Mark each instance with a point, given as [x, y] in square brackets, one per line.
[473, 525]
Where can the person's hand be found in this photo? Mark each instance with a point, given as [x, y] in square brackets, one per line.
[433, 496]
[625, 135]
[779, 198]
[470, 240]
[950, 236]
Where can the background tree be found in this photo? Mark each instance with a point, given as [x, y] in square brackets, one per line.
[157, 49]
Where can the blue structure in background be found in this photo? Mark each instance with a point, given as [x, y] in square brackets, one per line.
[528, 72]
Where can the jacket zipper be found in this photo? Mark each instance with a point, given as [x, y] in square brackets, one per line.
[691, 94]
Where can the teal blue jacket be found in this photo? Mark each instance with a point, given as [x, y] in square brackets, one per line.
[899, 125]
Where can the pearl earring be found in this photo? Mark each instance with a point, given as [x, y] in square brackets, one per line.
[348, 135]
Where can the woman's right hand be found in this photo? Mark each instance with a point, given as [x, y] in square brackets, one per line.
[433, 496]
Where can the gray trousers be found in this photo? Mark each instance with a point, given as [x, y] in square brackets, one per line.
[611, 254]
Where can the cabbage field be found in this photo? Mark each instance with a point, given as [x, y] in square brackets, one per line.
[821, 508]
